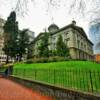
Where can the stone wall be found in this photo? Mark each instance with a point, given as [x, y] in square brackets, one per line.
[57, 93]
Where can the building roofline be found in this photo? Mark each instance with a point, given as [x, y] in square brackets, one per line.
[36, 38]
[79, 29]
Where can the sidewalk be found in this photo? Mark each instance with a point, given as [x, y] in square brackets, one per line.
[10, 90]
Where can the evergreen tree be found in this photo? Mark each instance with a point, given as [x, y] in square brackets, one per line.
[43, 48]
[22, 43]
[62, 49]
[10, 35]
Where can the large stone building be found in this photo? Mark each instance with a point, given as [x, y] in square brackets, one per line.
[74, 37]
[2, 54]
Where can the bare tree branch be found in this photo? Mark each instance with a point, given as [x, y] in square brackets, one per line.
[84, 7]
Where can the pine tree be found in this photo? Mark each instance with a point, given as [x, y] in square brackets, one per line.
[22, 44]
[10, 35]
[62, 49]
[43, 48]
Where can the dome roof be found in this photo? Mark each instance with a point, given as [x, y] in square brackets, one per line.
[53, 28]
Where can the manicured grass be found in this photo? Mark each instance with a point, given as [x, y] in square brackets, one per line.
[61, 65]
[80, 75]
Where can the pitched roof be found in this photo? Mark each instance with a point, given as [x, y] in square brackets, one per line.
[79, 29]
[38, 37]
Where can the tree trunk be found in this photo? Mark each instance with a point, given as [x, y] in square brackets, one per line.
[20, 57]
[17, 58]
[7, 59]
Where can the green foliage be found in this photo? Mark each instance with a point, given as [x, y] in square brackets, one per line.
[15, 42]
[43, 48]
[10, 25]
[10, 35]
[30, 51]
[37, 60]
[53, 52]
[29, 61]
[62, 49]
[22, 43]
[46, 59]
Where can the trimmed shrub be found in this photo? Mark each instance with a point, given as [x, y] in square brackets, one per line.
[46, 60]
[29, 61]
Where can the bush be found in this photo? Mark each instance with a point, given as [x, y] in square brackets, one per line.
[57, 58]
[29, 61]
[46, 60]
[40, 60]
[37, 60]
[52, 59]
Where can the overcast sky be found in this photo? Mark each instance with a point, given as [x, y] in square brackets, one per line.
[39, 16]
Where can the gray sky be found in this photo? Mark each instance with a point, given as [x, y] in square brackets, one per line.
[39, 16]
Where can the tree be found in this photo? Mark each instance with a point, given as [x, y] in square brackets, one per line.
[43, 48]
[22, 43]
[30, 51]
[10, 35]
[75, 6]
[62, 49]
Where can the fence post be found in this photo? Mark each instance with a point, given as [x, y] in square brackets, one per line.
[49, 76]
[54, 76]
[95, 81]
[99, 76]
[16, 72]
[35, 73]
[84, 75]
[88, 80]
[91, 83]
[24, 73]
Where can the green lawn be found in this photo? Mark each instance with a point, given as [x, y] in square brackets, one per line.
[79, 75]
[61, 65]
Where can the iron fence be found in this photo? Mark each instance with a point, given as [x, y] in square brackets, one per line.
[83, 80]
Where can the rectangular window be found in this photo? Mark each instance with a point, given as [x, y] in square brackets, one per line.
[78, 44]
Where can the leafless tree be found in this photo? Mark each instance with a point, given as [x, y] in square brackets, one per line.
[21, 7]
[84, 7]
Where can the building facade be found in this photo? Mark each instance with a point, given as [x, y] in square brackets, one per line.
[97, 58]
[94, 35]
[2, 54]
[80, 47]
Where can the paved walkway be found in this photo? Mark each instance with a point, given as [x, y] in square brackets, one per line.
[10, 90]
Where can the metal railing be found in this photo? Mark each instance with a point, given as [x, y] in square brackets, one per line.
[83, 80]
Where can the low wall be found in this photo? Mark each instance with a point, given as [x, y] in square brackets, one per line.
[58, 93]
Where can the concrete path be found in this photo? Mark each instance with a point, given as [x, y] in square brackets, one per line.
[10, 90]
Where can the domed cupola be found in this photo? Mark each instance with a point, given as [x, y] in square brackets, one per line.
[52, 28]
